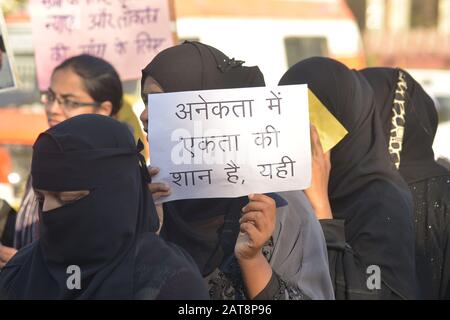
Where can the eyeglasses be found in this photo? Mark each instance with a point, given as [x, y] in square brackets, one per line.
[49, 97]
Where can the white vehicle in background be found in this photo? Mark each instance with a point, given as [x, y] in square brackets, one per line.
[273, 34]
[437, 84]
[441, 144]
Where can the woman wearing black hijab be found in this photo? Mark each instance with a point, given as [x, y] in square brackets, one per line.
[365, 209]
[270, 247]
[410, 120]
[97, 223]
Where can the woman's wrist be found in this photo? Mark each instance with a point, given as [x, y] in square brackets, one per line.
[323, 211]
[251, 261]
[256, 273]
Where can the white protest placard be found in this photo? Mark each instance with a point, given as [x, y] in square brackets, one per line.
[231, 142]
[126, 33]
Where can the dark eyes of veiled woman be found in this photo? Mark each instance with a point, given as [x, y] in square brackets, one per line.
[63, 198]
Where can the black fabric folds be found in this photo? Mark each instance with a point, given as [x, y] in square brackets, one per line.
[420, 121]
[365, 189]
[97, 233]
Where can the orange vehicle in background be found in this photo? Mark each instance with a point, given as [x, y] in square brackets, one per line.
[19, 128]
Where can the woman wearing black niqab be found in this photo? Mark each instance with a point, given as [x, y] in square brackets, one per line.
[410, 121]
[107, 233]
[209, 229]
[370, 226]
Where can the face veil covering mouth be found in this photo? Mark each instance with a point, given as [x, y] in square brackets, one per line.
[96, 233]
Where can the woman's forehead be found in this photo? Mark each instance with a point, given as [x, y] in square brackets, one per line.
[67, 82]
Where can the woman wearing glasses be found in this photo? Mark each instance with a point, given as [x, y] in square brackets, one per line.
[79, 85]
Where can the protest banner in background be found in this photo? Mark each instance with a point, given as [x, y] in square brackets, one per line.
[231, 142]
[7, 76]
[126, 33]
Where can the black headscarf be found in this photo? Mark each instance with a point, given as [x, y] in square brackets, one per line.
[196, 66]
[420, 121]
[357, 161]
[97, 233]
[361, 156]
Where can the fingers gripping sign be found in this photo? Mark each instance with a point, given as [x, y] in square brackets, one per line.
[256, 226]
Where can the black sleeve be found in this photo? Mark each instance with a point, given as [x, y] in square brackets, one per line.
[445, 282]
[445, 246]
[185, 285]
[278, 289]
[348, 273]
[9, 214]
